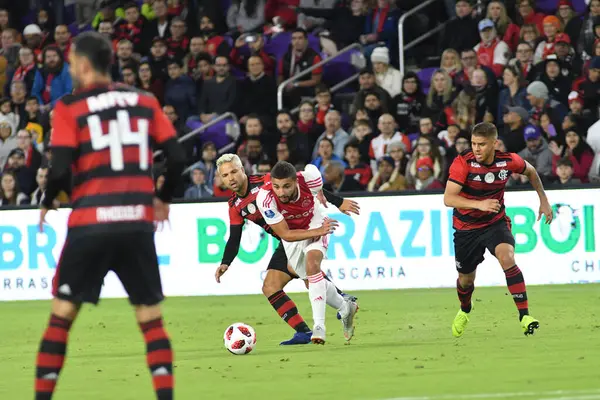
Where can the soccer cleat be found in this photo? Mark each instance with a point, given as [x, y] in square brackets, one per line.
[348, 320]
[460, 323]
[318, 335]
[346, 297]
[298, 338]
[529, 325]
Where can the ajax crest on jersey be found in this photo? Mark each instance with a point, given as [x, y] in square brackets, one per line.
[239, 338]
[306, 203]
[489, 177]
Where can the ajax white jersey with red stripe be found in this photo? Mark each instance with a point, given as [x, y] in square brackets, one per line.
[299, 212]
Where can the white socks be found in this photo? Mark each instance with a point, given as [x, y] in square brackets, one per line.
[317, 292]
[334, 299]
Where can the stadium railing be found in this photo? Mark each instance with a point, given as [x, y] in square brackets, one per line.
[403, 47]
[353, 46]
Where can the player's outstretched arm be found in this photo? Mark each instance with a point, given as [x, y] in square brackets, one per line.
[231, 250]
[536, 182]
[454, 200]
[346, 206]
[282, 230]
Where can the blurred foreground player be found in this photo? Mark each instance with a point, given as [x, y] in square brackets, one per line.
[287, 204]
[476, 191]
[106, 132]
[242, 206]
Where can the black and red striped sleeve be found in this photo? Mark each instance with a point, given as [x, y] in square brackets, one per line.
[517, 164]
[459, 171]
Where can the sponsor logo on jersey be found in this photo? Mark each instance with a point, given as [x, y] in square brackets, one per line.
[477, 178]
[269, 213]
[501, 164]
[475, 165]
[489, 177]
[254, 190]
[238, 201]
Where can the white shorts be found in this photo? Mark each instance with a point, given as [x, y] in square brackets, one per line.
[296, 251]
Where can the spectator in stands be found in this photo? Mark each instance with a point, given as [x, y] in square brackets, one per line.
[160, 25]
[491, 52]
[586, 35]
[26, 68]
[527, 14]
[565, 13]
[530, 35]
[251, 153]
[579, 116]
[590, 88]
[514, 93]
[264, 166]
[425, 148]
[462, 112]
[546, 46]
[564, 172]
[10, 46]
[18, 99]
[524, 62]
[468, 58]
[215, 43]
[409, 104]
[368, 84]
[386, 76]
[53, 80]
[124, 57]
[32, 158]
[204, 71]
[515, 121]
[397, 150]
[8, 139]
[199, 188]
[306, 123]
[387, 178]
[147, 82]
[486, 96]
[461, 33]
[41, 179]
[570, 65]
[4, 19]
[381, 26]
[324, 105]
[424, 179]
[347, 23]
[559, 86]
[180, 91]
[578, 151]
[158, 59]
[448, 136]
[32, 119]
[34, 39]
[539, 98]
[190, 61]
[537, 151]
[387, 135]
[356, 169]
[25, 176]
[10, 194]
[451, 62]
[258, 92]
[441, 95]
[256, 45]
[362, 134]
[246, 15]
[312, 14]
[132, 28]
[129, 75]
[178, 43]
[297, 59]
[325, 154]
[336, 181]
[299, 144]
[507, 31]
[334, 132]
[62, 39]
[218, 93]
[283, 152]
[106, 29]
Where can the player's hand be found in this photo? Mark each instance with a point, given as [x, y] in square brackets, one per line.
[328, 227]
[161, 213]
[350, 207]
[546, 210]
[220, 271]
[322, 199]
[43, 212]
[489, 205]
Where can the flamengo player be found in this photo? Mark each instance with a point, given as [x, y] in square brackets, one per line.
[287, 204]
[242, 206]
[476, 191]
[105, 132]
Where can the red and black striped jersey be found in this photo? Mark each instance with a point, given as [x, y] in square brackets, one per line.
[242, 208]
[111, 130]
[481, 182]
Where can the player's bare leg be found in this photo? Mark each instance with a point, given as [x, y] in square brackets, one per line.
[272, 288]
[505, 253]
[52, 353]
[465, 285]
[159, 354]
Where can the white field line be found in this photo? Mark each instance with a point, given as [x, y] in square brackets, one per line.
[589, 394]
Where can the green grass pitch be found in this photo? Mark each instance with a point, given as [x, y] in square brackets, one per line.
[403, 349]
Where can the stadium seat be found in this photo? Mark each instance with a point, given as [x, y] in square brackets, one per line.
[425, 76]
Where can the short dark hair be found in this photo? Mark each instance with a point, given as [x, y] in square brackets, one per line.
[327, 140]
[96, 48]
[366, 71]
[321, 88]
[32, 98]
[129, 5]
[485, 129]
[564, 162]
[283, 170]
[352, 144]
[302, 31]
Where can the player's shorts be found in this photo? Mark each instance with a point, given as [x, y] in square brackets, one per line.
[85, 261]
[296, 251]
[469, 246]
[279, 261]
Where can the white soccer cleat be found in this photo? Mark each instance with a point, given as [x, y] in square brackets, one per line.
[318, 334]
[348, 318]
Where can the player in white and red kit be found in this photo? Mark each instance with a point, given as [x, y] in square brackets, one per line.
[288, 204]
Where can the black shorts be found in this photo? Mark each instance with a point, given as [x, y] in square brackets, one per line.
[85, 261]
[279, 261]
[469, 246]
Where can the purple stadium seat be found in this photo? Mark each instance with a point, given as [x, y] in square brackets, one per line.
[425, 76]
[279, 44]
[579, 6]
[547, 7]
[215, 133]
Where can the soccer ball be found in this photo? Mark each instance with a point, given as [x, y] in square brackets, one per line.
[239, 338]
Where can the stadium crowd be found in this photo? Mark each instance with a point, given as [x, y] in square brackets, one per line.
[535, 75]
